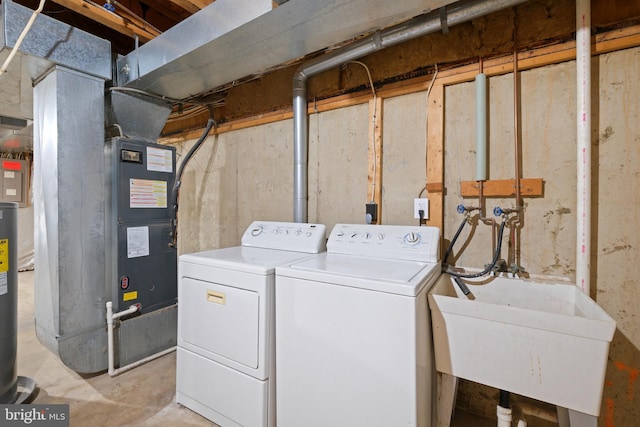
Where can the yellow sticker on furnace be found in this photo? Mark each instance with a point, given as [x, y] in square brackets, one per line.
[129, 296]
[4, 255]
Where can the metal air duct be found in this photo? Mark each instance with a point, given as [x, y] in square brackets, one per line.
[232, 39]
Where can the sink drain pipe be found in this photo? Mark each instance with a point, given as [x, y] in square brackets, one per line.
[434, 21]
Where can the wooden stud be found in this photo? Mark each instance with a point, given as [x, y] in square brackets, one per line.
[374, 187]
[435, 154]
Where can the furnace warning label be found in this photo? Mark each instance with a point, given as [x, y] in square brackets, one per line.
[4, 265]
[159, 160]
[146, 193]
[4, 255]
[137, 242]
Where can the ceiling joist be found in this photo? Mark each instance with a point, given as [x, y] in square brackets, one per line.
[130, 26]
[192, 6]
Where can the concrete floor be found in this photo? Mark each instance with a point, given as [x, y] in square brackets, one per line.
[144, 396]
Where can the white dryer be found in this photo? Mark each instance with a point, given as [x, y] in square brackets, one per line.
[353, 331]
[225, 362]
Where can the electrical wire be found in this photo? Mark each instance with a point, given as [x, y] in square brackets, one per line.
[373, 129]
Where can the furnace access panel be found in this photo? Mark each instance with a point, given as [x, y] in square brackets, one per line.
[143, 265]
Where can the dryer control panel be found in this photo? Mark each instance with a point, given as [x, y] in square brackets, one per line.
[286, 236]
[386, 241]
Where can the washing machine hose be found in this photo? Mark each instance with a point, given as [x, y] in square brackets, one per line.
[496, 255]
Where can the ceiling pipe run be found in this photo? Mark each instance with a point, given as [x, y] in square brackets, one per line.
[416, 27]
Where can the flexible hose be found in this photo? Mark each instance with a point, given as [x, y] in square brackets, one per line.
[176, 185]
[496, 255]
[453, 241]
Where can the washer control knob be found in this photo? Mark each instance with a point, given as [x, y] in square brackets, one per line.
[412, 238]
[257, 231]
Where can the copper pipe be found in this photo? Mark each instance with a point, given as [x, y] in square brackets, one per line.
[516, 142]
[515, 128]
[483, 218]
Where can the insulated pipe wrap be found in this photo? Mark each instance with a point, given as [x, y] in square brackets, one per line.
[481, 127]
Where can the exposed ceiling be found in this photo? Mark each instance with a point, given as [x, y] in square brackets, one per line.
[302, 27]
[128, 18]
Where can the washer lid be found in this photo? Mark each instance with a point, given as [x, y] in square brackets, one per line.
[240, 258]
[380, 274]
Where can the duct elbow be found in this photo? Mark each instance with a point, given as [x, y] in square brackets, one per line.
[300, 79]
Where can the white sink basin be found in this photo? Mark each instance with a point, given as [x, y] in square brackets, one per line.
[546, 341]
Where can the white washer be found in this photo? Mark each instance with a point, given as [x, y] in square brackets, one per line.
[225, 362]
[353, 330]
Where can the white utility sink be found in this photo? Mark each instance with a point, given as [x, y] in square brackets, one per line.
[546, 341]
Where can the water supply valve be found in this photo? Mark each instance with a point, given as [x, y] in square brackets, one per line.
[498, 211]
[463, 209]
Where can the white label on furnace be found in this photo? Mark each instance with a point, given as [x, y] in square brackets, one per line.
[4, 287]
[137, 241]
[11, 192]
[9, 174]
[159, 160]
[146, 193]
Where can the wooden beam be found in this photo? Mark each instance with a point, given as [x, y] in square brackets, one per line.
[192, 6]
[111, 20]
[532, 187]
[374, 179]
[435, 154]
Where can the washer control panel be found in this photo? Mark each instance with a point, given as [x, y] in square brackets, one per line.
[287, 236]
[386, 241]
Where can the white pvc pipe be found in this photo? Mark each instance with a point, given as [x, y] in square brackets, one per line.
[583, 95]
[481, 127]
[111, 316]
[504, 416]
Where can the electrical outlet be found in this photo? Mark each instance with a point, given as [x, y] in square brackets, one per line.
[421, 205]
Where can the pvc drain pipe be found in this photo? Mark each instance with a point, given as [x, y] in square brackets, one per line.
[111, 316]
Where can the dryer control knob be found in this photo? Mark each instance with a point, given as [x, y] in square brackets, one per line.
[257, 231]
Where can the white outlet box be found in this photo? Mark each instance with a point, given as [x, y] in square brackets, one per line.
[421, 205]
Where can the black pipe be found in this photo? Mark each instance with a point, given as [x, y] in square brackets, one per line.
[504, 399]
